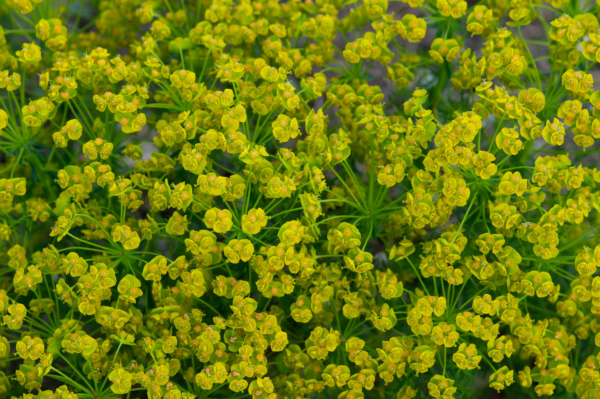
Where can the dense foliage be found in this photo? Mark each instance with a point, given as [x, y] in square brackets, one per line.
[305, 199]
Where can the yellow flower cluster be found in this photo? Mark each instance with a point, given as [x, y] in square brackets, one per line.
[300, 199]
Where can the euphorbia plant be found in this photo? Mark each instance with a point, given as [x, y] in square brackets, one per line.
[234, 199]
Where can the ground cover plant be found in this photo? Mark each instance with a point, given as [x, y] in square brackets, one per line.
[302, 199]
